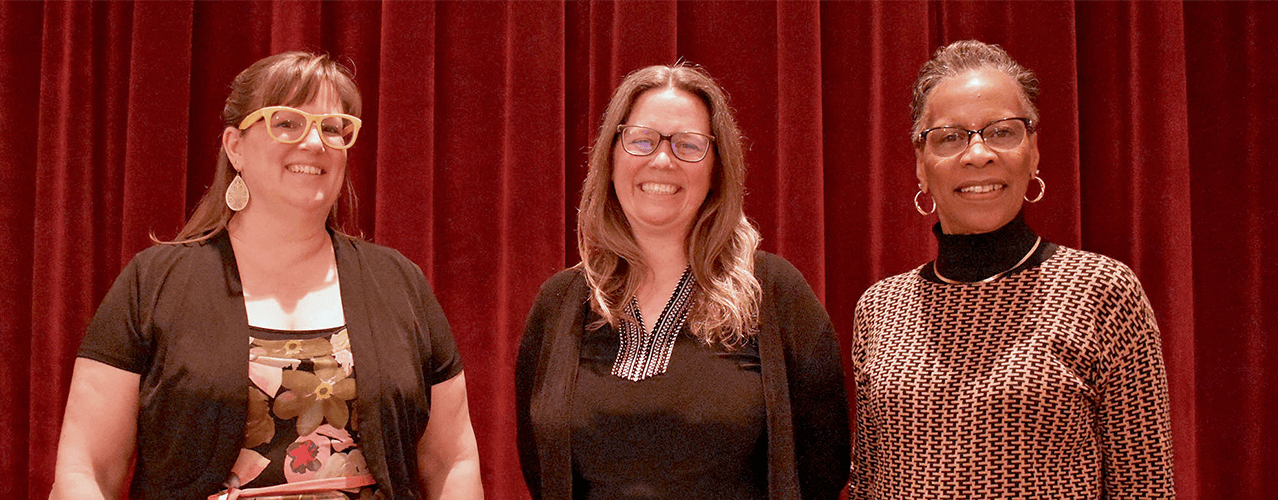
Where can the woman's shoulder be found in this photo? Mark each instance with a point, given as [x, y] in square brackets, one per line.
[374, 252]
[380, 261]
[891, 284]
[769, 260]
[770, 267]
[1076, 257]
[1091, 268]
[563, 282]
[892, 290]
[562, 294]
[162, 257]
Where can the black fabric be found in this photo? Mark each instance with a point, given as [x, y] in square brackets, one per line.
[273, 334]
[802, 377]
[176, 316]
[708, 398]
[974, 257]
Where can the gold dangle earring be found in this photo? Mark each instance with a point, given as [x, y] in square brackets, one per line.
[237, 194]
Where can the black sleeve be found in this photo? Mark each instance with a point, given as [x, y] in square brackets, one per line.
[445, 360]
[526, 375]
[525, 367]
[118, 335]
[819, 404]
[532, 381]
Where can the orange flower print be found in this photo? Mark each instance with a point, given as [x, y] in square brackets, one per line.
[260, 427]
[313, 398]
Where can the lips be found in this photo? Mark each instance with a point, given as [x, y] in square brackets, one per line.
[658, 188]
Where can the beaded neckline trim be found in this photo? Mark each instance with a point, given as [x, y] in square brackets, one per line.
[643, 354]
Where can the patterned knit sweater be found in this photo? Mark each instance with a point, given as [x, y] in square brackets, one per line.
[1047, 383]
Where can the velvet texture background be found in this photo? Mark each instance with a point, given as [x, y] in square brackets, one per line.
[1156, 148]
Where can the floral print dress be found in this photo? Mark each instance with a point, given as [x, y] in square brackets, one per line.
[302, 423]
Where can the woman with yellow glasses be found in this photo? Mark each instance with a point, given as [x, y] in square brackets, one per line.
[266, 353]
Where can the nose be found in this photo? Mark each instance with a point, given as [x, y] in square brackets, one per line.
[312, 138]
[978, 153]
[664, 155]
[662, 159]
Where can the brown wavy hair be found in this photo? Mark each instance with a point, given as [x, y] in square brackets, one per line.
[721, 244]
[285, 79]
[962, 57]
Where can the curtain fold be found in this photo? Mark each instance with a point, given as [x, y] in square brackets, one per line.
[478, 117]
[800, 145]
[159, 86]
[1231, 102]
[19, 100]
[1135, 112]
[70, 191]
[405, 169]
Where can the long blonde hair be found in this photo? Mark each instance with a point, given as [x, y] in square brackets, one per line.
[288, 79]
[721, 244]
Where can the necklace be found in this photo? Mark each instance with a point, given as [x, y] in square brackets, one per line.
[937, 272]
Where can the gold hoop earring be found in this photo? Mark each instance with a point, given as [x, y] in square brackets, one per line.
[237, 194]
[1042, 188]
[919, 207]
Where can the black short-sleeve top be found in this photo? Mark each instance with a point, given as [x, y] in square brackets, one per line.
[176, 316]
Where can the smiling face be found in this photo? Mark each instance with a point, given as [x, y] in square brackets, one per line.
[659, 193]
[305, 175]
[980, 189]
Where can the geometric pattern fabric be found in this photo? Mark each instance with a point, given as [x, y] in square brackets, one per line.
[1047, 383]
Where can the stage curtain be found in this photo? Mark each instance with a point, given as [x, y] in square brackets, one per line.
[1156, 141]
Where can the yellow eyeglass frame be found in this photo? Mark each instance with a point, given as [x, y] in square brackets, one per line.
[265, 114]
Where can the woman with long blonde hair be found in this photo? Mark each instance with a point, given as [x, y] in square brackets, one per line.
[677, 360]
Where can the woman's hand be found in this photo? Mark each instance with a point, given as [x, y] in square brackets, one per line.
[98, 433]
[447, 457]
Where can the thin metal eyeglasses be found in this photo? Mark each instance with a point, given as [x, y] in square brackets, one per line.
[643, 141]
[290, 125]
[1000, 135]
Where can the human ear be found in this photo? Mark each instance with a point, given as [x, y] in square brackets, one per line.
[1033, 151]
[231, 142]
[919, 169]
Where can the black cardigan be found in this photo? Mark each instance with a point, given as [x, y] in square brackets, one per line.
[807, 408]
[176, 316]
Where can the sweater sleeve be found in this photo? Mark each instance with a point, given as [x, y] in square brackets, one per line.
[529, 369]
[818, 396]
[1134, 410]
[858, 486]
[525, 366]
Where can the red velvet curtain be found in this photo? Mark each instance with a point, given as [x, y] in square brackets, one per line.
[1156, 150]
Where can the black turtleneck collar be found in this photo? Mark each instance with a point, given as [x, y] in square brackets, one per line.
[974, 257]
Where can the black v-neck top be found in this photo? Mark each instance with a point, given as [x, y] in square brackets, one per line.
[801, 385]
[696, 431]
